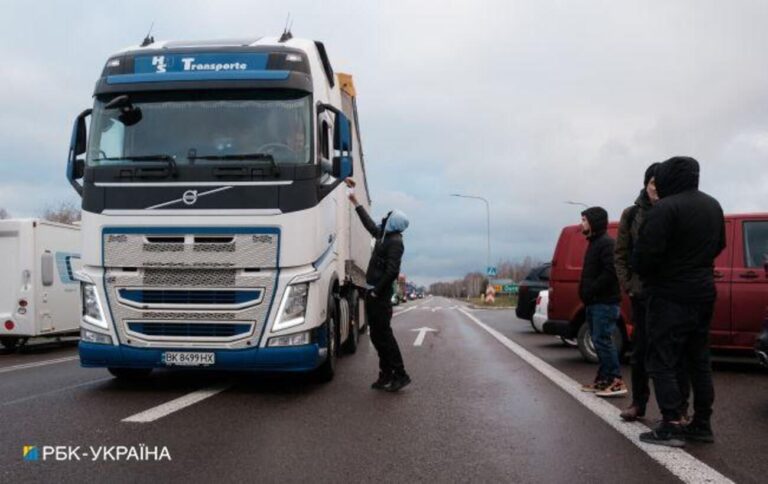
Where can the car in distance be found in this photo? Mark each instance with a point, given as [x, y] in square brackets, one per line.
[528, 290]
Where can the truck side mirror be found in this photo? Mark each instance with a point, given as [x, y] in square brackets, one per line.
[342, 167]
[342, 133]
[77, 146]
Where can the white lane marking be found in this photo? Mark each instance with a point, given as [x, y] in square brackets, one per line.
[680, 463]
[36, 364]
[403, 311]
[422, 334]
[53, 392]
[180, 403]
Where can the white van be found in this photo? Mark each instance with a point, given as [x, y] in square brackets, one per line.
[38, 294]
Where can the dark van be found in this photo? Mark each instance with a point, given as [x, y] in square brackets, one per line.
[741, 277]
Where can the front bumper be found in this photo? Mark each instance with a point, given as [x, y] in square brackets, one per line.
[761, 348]
[295, 358]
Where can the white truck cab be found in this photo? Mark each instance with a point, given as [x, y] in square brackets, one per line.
[216, 230]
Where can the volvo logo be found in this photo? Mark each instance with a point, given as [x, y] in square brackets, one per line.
[189, 197]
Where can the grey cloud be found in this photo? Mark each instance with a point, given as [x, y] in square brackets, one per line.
[527, 103]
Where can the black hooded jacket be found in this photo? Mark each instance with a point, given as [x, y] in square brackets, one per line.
[599, 284]
[680, 236]
[384, 266]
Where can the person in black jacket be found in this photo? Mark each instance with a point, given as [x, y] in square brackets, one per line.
[599, 291]
[675, 253]
[383, 269]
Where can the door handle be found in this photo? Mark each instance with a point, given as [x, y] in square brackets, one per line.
[719, 275]
[749, 275]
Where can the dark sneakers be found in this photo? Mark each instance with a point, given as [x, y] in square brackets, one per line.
[699, 432]
[666, 433]
[397, 383]
[632, 413]
[382, 382]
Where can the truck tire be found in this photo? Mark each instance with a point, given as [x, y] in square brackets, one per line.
[130, 374]
[587, 348]
[535, 329]
[326, 371]
[350, 346]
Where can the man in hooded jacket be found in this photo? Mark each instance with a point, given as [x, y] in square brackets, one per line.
[629, 229]
[383, 269]
[599, 291]
[675, 253]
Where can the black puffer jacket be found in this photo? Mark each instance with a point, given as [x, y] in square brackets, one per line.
[386, 257]
[680, 237]
[599, 284]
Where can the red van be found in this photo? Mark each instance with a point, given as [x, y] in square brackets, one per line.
[741, 277]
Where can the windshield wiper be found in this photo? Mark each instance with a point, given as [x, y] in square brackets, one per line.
[167, 158]
[242, 157]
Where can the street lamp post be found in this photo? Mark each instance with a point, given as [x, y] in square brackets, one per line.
[571, 202]
[488, 223]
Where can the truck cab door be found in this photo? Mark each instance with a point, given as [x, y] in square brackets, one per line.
[750, 280]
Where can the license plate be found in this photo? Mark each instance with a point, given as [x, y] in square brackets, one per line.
[188, 358]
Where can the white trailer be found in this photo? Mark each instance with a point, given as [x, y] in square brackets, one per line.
[38, 294]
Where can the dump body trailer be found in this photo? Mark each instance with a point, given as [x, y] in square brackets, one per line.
[38, 293]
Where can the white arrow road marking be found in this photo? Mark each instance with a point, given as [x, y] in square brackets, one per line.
[175, 405]
[680, 463]
[422, 334]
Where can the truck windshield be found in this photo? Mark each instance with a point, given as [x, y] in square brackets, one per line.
[198, 130]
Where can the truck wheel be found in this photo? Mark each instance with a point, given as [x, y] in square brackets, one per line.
[587, 348]
[325, 372]
[130, 374]
[350, 346]
[10, 343]
[535, 329]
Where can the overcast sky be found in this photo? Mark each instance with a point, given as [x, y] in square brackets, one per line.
[526, 103]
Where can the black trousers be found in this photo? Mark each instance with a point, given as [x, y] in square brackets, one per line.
[678, 340]
[641, 389]
[379, 313]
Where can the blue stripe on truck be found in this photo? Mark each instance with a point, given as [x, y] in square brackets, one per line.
[292, 358]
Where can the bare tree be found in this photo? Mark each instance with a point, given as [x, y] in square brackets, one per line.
[64, 213]
[4, 214]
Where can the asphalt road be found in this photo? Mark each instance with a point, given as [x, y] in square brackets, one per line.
[476, 411]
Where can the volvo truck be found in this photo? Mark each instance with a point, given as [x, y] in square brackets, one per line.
[215, 223]
[38, 292]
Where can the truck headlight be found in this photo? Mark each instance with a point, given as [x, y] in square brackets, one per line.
[93, 337]
[297, 339]
[92, 312]
[293, 308]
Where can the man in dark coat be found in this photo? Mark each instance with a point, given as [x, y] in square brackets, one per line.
[675, 253]
[383, 269]
[599, 291]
